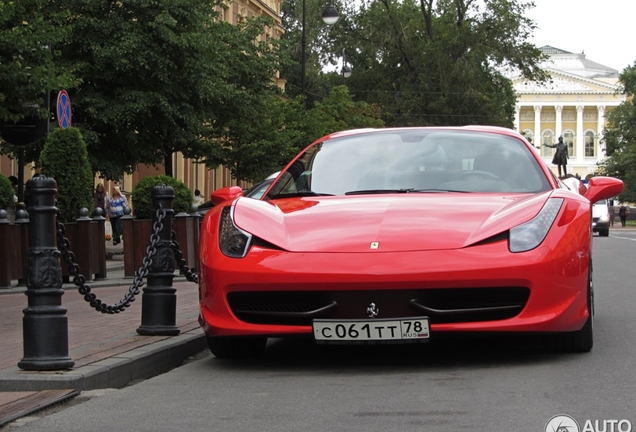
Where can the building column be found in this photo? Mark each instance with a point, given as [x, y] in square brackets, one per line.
[538, 139]
[599, 131]
[580, 139]
[559, 121]
[516, 124]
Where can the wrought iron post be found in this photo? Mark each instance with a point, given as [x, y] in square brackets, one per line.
[159, 298]
[44, 325]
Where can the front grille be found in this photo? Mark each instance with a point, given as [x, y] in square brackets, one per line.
[441, 305]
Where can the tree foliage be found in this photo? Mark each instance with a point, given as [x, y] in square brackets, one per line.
[159, 77]
[279, 129]
[29, 67]
[619, 137]
[65, 159]
[155, 77]
[338, 111]
[256, 148]
[142, 195]
[6, 193]
[434, 62]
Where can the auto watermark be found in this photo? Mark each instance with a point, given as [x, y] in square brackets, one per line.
[566, 423]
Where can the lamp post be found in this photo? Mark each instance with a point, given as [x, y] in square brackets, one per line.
[330, 17]
[346, 70]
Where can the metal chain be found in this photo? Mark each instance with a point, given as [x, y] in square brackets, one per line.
[80, 281]
[178, 255]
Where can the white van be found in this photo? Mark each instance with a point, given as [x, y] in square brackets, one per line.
[601, 218]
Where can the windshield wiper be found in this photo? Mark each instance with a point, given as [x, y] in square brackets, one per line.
[378, 191]
[391, 191]
[439, 190]
[298, 194]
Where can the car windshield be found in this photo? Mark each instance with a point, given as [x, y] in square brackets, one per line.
[411, 161]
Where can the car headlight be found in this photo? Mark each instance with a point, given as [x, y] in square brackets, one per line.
[529, 235]
[604, 218]
[233, 241]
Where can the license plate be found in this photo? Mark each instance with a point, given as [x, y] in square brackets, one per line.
[407, 330]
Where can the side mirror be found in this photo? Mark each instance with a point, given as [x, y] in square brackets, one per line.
[603, 188]
[226, 193]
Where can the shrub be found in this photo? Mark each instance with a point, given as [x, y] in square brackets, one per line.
[65, 159]
[142, 195]
[6, 193]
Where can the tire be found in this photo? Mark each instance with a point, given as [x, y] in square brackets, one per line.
[237, 347]
[605, 232]
[578, 341]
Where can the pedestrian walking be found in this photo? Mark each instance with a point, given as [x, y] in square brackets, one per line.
[100, 198]
[115, 205]
[622, 213]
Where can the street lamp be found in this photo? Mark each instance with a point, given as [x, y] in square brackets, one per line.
[346, 70]
[330, 17]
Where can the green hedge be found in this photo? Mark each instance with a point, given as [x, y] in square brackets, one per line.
[142, 195]
[65, 159]
[6, 193]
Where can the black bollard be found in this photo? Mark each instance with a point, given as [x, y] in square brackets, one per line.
[44, 325]
[159, 300]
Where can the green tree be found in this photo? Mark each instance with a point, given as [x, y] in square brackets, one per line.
[619, 137]
[434, 62]
[6, 193]
[256, 148]
[317, 34]
[159, 77]
[142, 195]
[279, 129]
[338, 111]
[65, 159]
[28, 66]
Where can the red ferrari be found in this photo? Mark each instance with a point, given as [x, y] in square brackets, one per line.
[399, 235]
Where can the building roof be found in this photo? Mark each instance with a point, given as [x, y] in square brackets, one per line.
[576, 64]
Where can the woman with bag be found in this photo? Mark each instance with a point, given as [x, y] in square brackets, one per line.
[116, 204]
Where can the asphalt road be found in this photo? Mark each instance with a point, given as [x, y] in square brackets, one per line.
[457, 384]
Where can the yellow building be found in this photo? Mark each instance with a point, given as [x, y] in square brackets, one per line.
[573, 104]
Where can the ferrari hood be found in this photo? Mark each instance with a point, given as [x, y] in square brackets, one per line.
[387, 223]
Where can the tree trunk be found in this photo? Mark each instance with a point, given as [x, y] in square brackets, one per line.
[167, 163]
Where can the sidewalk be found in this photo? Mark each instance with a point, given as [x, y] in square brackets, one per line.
[106, 349]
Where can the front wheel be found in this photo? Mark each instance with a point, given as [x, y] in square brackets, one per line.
[237, 347]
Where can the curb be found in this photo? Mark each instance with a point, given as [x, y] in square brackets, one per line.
[114, 372]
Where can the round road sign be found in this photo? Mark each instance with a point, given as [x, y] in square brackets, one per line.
[63, 110]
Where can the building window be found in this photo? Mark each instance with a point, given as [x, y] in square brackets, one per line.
[547, 138]
[590, 148]
[568, 139]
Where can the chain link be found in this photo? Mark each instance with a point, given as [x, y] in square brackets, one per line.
[178, 255]
[80, 281]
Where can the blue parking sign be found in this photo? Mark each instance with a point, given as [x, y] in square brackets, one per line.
[63, 109]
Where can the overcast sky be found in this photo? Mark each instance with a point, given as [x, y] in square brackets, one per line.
[602, 29]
